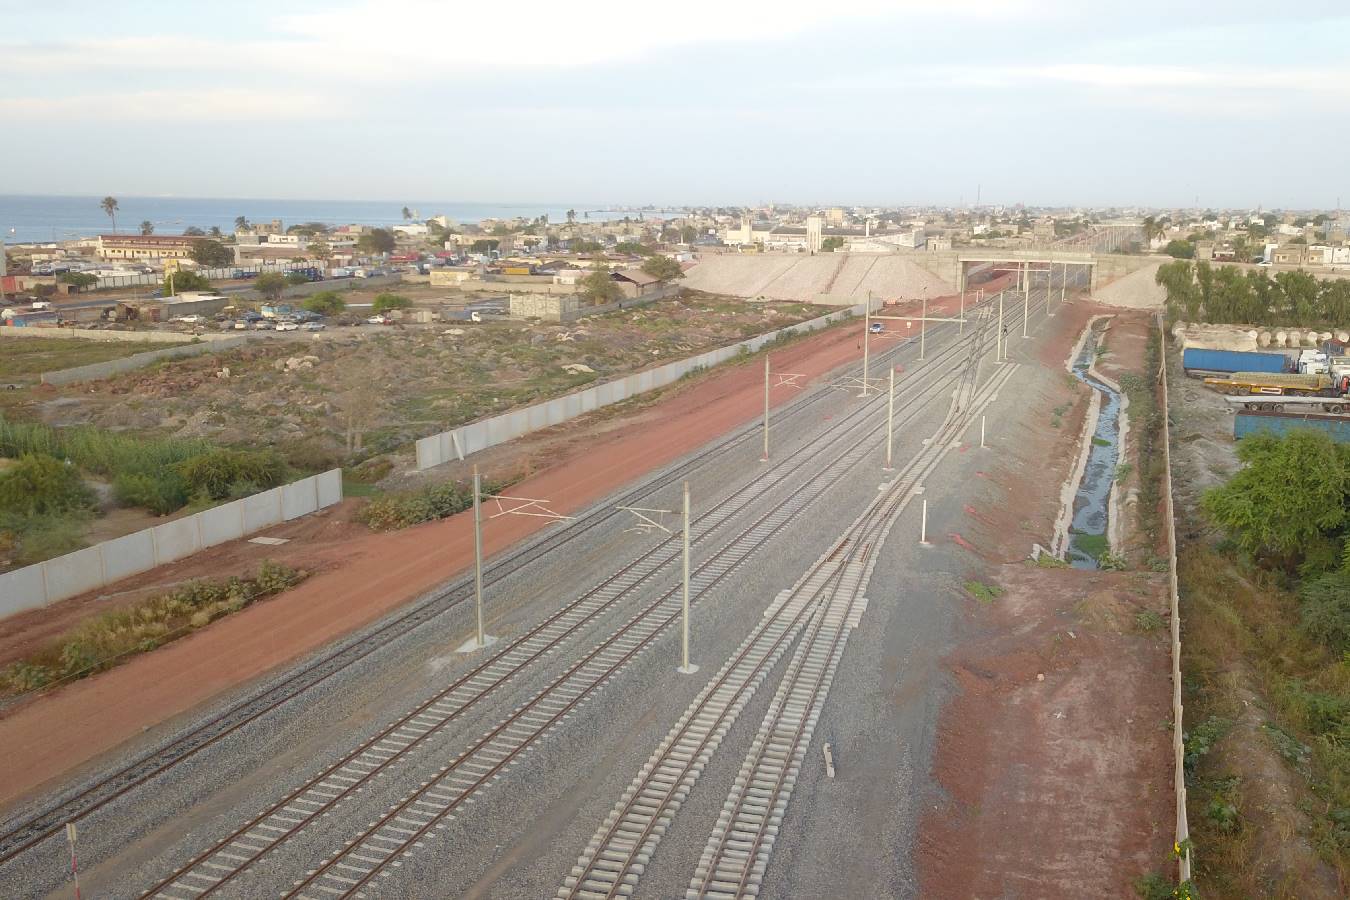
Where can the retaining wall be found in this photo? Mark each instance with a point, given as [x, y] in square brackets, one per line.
[95, 371]
[466, 439]
[84, 570]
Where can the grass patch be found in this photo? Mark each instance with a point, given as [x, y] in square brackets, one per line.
[390, 512]
[984, 593]
[1100, 442]
[33, 356]
[1047, 561]
[1148, 621]
[1094, 545]
[108, 639]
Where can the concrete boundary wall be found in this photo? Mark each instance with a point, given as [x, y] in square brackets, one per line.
[95, 371]
[467, 439]
[1183, 830]
[93, 567]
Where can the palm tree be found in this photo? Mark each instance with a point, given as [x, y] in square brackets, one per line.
[571, 216]
[407, 214]
[109, 205]
[215, 231]
[147, 227]
[240, 223]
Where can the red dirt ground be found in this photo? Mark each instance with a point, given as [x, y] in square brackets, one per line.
[358, 576]
[1055, 752]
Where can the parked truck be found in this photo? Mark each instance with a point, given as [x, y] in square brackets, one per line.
[1198, 362]
[1279, 384]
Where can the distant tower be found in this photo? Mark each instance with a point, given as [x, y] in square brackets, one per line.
[814, 233]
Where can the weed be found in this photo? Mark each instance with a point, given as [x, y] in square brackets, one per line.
[1100, 442]
[984, 593]
[1123, 472]
[1048, 561]
[1201, 739]
[1112, 562]
[1148, 621]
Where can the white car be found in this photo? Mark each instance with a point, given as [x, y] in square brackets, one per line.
[188, 320]
[288, 326]
[379, 320]
[313, 326]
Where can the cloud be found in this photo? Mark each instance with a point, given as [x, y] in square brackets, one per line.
[223, 105]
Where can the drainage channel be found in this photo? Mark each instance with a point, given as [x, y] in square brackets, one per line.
[1091, 504]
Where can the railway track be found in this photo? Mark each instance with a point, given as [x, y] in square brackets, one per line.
[615, 858]
[28, 830]
[737, 853]
[210, 871]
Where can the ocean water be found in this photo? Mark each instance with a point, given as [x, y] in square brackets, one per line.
[26, 218]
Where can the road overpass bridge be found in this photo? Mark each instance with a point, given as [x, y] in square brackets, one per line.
[954, 266]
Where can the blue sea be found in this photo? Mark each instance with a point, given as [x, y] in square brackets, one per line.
[50, 218]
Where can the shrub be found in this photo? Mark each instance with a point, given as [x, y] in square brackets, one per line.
[42, 485]
[216, 474]
[985, 593]
[401, 510]
[386, 301]
[1324, 610]
[161, 494]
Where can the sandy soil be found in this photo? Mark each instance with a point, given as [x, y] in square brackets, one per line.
[803, 277]
[358, 577]
[1054, 752]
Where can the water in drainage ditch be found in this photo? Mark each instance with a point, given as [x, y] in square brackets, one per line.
[1087, 532]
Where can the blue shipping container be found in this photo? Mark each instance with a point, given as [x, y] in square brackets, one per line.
[1280, 423]
[1193, 359]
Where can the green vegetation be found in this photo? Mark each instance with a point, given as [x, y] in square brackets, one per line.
[1269, 611]
[386, 302]
[295, 279]
[38, 485]
[378, 240]
[183, 280]
[271, 285]
[662, 267]
[29, 356]
[391, 512]
[80, 280]
[106, 640]
[1180, 249]
[212, 254]
[599, 288]
[1146, 423]
[985, 593]
[325, 303]
[632, 248]
[831, 244]
[1223, 294]
[1148, 621]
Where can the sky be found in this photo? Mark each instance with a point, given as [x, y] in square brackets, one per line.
[935, 102]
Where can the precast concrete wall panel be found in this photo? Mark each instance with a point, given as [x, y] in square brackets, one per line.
[590, 399]
[571, 407]
[74, 573]
[22, 589]
[298, 499]
[221, 523]
[177, 539]
[329, 485]
[536, 417]
[129, 554]
[262, 510]
[430, 449]
[474, 437]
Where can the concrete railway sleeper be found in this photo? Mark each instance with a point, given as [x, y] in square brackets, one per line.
[615, 858]
[382, 843]
[22, 834]
[210, 870]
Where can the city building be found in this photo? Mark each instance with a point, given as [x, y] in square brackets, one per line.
[145, 246]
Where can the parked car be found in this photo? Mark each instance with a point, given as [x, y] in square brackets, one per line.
[241, 325]
[263, 325]
[313, 326]
[876, 328]
[380, 320]
[189, 319]
[288, 326]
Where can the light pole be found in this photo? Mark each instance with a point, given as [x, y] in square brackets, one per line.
[685, 668]
[765, 457]
[890, 422]
[923, 326]
[478, 555]
[998, 355]
[867, 331]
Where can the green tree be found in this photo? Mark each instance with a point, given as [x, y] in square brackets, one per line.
[583, 246]
[147, 227]
[484, 245]
[294, 279]
[378, 240]
[831, 244]
[386, 302]
[633, 248]
[183, 280]
[193, 231]
[319, 250]
[80, 280]
[598, 287]
[40, 485]
[215, 232]
[240, 223]
[1287, 500]
[571, 216]
[1180, 249]
[662, 267]
[1301, 293]
[211, 254]
[407, 214]
[109, 206]
[1183, 299]
[688, 233]
[271, 285]
[325, 303]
